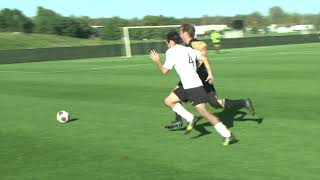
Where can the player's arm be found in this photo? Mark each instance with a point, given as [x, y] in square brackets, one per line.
[156, 59]
[200, 46]
[204, 51]
[204, 60]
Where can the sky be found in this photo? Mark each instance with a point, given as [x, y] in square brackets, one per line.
[171, 8]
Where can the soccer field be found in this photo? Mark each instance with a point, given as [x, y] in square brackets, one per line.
[118, 118]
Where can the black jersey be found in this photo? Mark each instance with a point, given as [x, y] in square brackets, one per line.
[202, 71]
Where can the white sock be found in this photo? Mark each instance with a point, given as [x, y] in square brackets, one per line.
[222, 130]
[179, 109]
[223, 103]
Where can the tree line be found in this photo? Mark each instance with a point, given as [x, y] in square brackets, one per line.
[49, 22]
[45, 22]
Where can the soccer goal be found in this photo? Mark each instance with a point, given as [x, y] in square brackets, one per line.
[126, 35]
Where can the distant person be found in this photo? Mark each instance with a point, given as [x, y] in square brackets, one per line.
[216, 40]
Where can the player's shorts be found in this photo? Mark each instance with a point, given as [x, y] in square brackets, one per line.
[206, 85]
[194, 95]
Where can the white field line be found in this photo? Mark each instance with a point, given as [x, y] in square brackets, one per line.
[103, 67]
[252, 49]
[24, 72]
[134, 65]
[273, 54]
[74, 70]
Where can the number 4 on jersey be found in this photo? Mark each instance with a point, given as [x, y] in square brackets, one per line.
[191, 61]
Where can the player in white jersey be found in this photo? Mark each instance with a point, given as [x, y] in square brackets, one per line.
[183, 59]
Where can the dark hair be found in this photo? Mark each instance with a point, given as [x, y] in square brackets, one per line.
[174, 36]
[188, 28]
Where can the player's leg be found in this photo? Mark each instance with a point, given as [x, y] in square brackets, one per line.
[198, 97]
[173, 101]
[249, 106]
[237, 104]
[228, 138]
[177, 122]
[216, 47]
[211, 93]
[213, 100]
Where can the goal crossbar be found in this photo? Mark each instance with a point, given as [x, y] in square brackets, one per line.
[126, 35]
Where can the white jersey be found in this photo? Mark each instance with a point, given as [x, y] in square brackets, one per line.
[183, 59]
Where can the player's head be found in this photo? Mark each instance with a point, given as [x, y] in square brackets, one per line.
[187, 31]
[173, 38]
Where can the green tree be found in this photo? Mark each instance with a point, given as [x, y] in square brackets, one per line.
[74, 27]
[113, 28]
[277, 15]
[295, 18]
[15, 21]
[46, 21]
[255, 20]
[316, 22]
[154, 33]
[49, 22]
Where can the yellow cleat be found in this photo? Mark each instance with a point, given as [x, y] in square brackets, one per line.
[229, 140]
[190, 126]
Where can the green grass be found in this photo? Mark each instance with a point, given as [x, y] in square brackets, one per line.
[27, 41]
[22, 41]
[250, 34]
[119, 130]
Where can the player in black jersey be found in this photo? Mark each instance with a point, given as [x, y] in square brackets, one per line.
[187, 32]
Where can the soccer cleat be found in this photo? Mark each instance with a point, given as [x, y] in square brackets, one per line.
[174, 124]
[229, 140]
[191, 125]
[249, 106]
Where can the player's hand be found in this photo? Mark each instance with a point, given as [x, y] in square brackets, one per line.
[155, 56]
[210, 79]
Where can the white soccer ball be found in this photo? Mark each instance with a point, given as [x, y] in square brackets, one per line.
[63, 116]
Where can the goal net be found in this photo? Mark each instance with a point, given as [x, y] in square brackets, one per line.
[145, 33]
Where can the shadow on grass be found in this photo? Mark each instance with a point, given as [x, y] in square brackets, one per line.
[227, 116]
[73, 120]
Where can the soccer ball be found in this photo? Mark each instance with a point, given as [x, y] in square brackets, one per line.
[63, 116]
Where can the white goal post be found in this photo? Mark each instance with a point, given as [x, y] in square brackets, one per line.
[126, 36]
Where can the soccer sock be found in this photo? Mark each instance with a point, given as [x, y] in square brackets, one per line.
[234, 104]
[222, 130]
[179, 109]
[178, 118]
[213, 101]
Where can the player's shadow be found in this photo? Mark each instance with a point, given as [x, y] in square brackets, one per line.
[227, 116]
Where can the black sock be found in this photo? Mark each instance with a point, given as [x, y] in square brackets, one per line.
[213, 101]
[178, 118]
[234, 104]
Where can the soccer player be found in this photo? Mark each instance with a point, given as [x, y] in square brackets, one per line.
[187, 32]
[216, 40]
[183, 59]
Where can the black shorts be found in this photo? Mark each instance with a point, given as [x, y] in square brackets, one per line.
[206, 85]
[194, 95]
